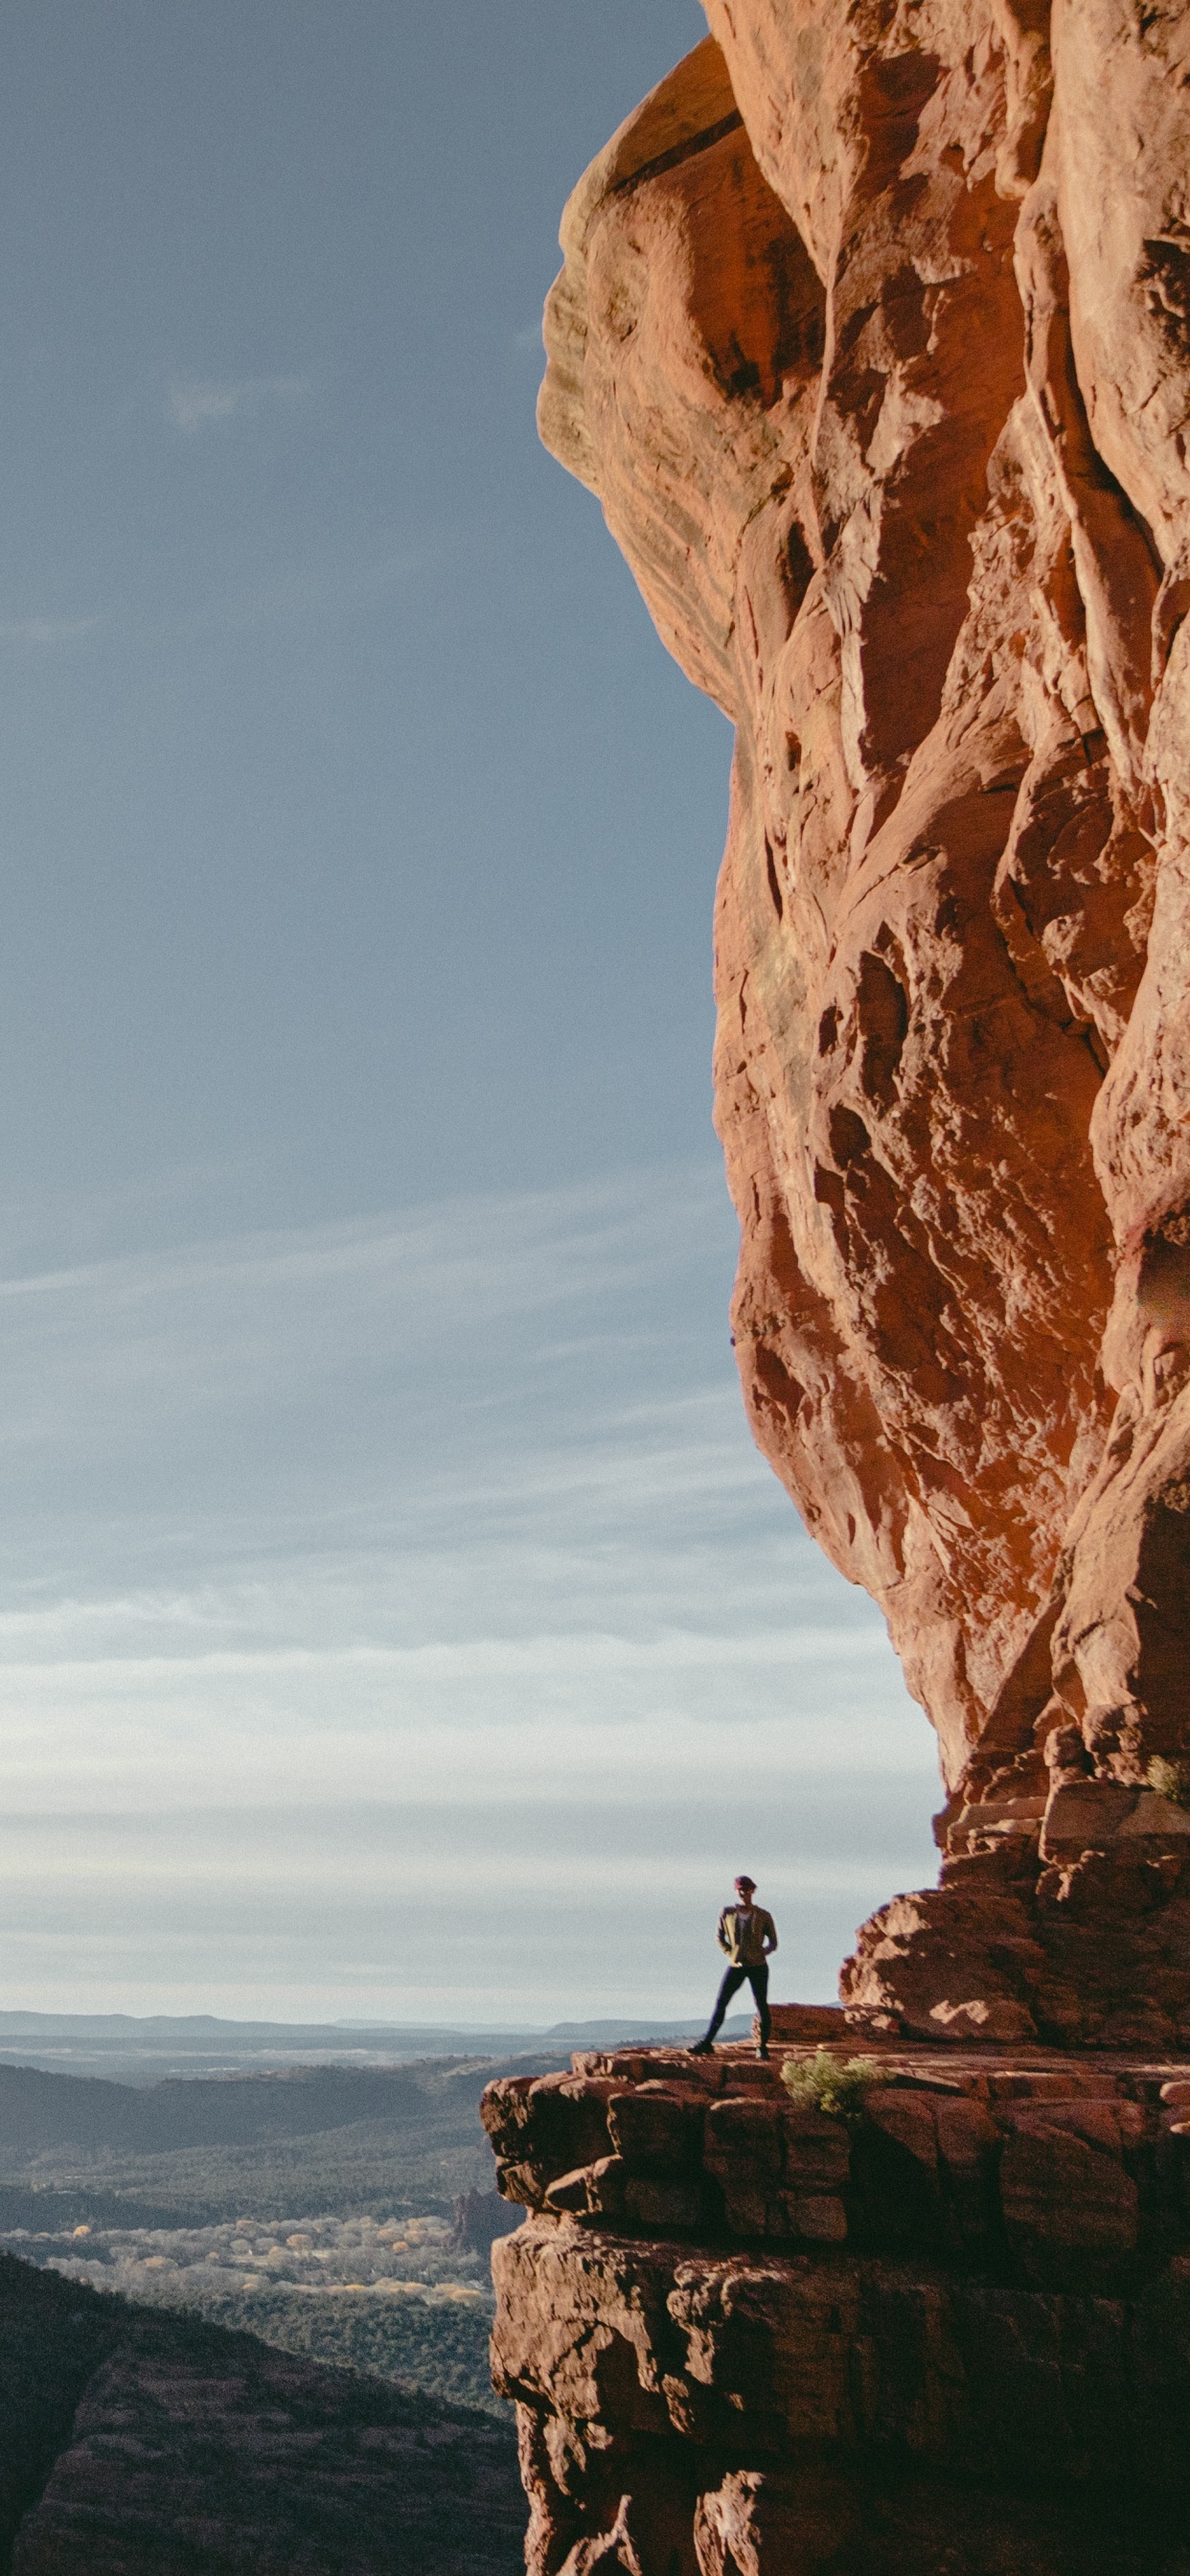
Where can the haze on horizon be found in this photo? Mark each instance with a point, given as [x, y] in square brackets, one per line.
[398, 1621]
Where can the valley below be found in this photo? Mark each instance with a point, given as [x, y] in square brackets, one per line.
[312, 2208]
[244, 2323]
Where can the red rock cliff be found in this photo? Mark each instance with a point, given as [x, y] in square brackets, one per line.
[873, 338]
[947, 2337]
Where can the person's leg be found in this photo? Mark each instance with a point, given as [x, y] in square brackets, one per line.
[758, 1979]
[732, 1981]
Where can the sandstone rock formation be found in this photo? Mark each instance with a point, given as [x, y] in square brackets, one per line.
[873, 338]
[948, 2338]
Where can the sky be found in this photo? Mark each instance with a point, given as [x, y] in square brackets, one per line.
[397, 1618]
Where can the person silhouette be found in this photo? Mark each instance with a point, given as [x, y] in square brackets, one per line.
[749, 1936]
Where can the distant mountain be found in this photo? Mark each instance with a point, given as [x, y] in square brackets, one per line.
[38, 2111]
[403, 2107]
[141, 2049]
[77, 2150]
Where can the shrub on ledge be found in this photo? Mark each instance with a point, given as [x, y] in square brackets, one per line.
[826, 2083]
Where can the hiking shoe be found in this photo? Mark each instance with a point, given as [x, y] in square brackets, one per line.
[702, 2048]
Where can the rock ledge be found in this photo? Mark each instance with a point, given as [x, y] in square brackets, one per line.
[952, 2334]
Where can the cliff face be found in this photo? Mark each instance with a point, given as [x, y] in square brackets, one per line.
[750, 2339]
[873, 338]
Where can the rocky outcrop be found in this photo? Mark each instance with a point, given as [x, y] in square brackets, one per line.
[132, 2441]
[873, 338]
[479, 2218]
[950, 2334]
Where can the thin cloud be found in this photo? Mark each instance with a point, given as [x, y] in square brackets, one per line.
[260, 1299]
[481, 1659]
[197, 403]
[443, 1527]
[46, 630]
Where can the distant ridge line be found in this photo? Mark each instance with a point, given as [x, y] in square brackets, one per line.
[169, 2024]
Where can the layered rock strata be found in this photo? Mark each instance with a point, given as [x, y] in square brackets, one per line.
[749, 2339]
[873, 338]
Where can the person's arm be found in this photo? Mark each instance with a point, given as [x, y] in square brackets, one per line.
[768, 1932]
[722, 1936]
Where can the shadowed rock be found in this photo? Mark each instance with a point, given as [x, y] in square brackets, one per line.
[949, 2332]
[133, 2441]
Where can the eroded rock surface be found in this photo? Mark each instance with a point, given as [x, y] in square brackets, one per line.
[951, 2335]
[873, 338]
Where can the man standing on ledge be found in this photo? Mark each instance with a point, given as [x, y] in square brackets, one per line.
[749, 1936]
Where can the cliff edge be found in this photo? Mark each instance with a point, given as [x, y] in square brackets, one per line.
[946, 2336]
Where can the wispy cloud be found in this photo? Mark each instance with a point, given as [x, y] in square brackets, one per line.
[47, 630]
[197, 403]
[449, 1514]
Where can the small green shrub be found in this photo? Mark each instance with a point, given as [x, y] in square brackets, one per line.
[1169, 1779]
[826, 2083]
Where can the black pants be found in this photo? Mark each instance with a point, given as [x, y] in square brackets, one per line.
[758, 1979]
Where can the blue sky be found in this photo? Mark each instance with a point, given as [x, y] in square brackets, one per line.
[385, 1546]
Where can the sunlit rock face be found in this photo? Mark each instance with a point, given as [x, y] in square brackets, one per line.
[948, 2337]
[873, 338]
